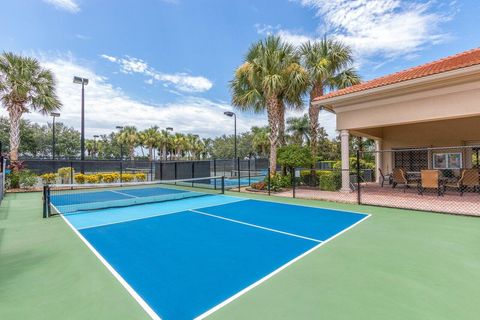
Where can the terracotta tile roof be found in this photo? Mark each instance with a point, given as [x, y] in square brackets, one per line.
[461, 60]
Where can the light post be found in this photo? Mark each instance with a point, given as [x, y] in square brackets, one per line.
[120, 128]
[95, 145]
[83, 82]
[168, 129]
[232, 114]
[54, 115]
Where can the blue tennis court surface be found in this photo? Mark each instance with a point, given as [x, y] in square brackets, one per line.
[184, 258]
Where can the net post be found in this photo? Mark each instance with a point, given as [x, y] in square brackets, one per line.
[223, 184]
[268, 180]
[238, 172]
[215, 173]
[44, 201]
[49, 207]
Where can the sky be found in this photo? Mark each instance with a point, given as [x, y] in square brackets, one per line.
[169, 62]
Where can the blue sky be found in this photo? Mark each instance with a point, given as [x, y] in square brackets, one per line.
[168, 63]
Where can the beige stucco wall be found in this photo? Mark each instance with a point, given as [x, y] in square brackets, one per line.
[447, 102]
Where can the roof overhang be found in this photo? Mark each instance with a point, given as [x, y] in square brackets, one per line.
[401, 88]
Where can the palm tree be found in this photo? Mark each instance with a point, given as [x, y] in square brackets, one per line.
[270, 78]
[149, 138]
[25, 86]
[129, 136]
[179, 142]
[90, 146]
[164, 142]
[329, 66]
[299, 128]
[260, 139]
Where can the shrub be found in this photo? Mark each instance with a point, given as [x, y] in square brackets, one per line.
[353, 164]
[48, 178]
[293, 155]
[80, 178]
[329, 180]
[65, 174]
[128, 177]
[12, 180]
[278, 181]
[92, 178]
[259, 185]
[27, 179]
[140, 176]
[109, 177]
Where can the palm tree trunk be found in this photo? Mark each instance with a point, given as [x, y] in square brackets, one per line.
[281, 124]
[132, 153]
[150, 153]
[15, 114]
[273, 113]
[164, 151]
[313, 113]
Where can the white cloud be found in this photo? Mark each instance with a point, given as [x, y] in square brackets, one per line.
[67, 5]
[107, 106]
[181, 81]
[388, 27]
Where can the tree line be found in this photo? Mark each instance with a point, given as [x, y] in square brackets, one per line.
[36, 141]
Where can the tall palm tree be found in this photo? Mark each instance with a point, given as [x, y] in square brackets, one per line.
[299, 129]
[329, 66]
[179, 143]
[129, 136]
[25, 86]
[260, 140]
[149, 138]
[270, 78]
[164, 142]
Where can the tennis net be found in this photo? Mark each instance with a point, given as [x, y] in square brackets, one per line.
[71, 198]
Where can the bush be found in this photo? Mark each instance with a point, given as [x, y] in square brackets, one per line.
[92, 178]
[27, 179]
[292, 156]
[278, 182]
[259, 185]
[65, 174]
[353, 164]
[80, 178]
[140, 176]
[48, 178]
[128, 177]
[329, 180]
[109, 177]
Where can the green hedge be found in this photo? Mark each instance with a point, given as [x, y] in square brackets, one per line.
[325, 179]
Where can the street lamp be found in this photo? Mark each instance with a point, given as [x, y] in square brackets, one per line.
[168, 129]
[83, 82]
[54, 115]
[120, 128]
[95, 145]
[232, 114]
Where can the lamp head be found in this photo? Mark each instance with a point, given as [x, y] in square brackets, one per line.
[229, 113]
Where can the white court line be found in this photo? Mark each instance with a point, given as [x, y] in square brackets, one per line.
[268, 276]
[123, 194]
[153, 214]
[122, 281]
[256, 226]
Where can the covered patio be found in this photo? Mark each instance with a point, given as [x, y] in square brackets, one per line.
[425, 122]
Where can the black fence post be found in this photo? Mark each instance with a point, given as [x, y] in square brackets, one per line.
[151, 171]
[175, 174]
[121, 171]
[359, 199]
[249, 176]
[293, 181]
[215, 173]
[193, 172]
[49, 207]
[238, 173]
[268, 179]
[161, 170]
[223, 184]
[71, 171]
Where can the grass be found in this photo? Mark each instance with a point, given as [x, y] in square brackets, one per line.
[397, 264]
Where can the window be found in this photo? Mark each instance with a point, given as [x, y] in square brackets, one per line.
[447, 160]
[411, 160]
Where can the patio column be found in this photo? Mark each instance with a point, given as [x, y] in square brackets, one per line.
[345, 146]
[378, 159]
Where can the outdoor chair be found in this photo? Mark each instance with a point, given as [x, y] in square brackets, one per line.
[399, 177]
[384, 177]
[430, 179]
[469, 179]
